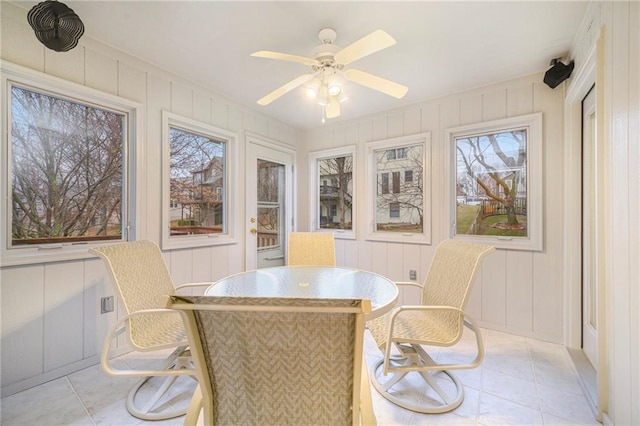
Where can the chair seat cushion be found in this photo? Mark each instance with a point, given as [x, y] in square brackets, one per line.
[423, 327]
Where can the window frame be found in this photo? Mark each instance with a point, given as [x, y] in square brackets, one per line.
[372, 234]
[314, 187]
[231, 204]
[533, 125]
[133, 182]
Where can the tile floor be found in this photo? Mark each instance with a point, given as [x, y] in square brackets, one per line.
[521, 382]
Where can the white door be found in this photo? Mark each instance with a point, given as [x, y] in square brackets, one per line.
[590, 236]
[269, 204]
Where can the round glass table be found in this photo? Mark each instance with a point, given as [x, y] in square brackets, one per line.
[311, 282]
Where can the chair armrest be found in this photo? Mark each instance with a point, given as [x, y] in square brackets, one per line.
[118, 328]
[409, 284]
[192, 285]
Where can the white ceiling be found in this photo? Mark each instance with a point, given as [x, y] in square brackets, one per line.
[442, 47]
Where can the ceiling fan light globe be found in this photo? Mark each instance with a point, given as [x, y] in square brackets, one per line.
[311, 92]
[334, 90]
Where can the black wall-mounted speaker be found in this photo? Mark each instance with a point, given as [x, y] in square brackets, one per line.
[558, 73]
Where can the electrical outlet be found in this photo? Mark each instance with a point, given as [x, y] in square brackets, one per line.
[412, 274]
[106, 304]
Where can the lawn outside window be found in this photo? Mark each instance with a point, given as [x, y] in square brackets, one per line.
[496, 182]
[398, 189]
[68, 168]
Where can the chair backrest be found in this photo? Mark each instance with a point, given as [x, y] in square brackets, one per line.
[311, 249]
[452, 272]
[278, 361]
[142, 280]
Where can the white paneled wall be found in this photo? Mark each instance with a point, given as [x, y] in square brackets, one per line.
[517, 291]
[51, 321]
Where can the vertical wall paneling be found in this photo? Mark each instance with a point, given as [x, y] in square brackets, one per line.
[340, 252]
[494, 104]
[395, 123]
[547, 265]
[519, 297]
[350, 248]
[63, 314]
[180, 266]
[494, 287]
[379, 257]
[202, 108]
[365, 255]
[220, 114]
[158, 99]
[22, 298]
[219, 261]
[395, 261]
[519, 100]
[181, 100]
[68, 65]
[412, 121]
[101, 72]
[19, 43]
[97, 284]
[200, 260]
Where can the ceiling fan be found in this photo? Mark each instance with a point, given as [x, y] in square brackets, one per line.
[328, 63]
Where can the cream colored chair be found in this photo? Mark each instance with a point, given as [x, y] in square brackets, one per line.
[311, 249]
[139, 274]
[438, 321]
[277, 361]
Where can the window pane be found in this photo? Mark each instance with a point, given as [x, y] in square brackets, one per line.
[491, 184]
[67, 170]
[335, 192]
[396, 182]
[197, 183]
[400, 210]
[271, 187]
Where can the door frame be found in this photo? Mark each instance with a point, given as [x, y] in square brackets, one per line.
[589, 73]
[291, 211]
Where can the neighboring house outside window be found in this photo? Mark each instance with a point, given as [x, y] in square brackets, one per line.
[332, 183]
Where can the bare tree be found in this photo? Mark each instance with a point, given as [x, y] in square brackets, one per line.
[67, 168]
[495, 162]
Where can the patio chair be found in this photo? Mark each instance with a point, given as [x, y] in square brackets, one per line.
[141, 278]
[311, 249]
[277, 361]
[438, 321]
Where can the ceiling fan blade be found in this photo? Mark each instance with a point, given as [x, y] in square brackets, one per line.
[285, 89]
[376, 83]
[285, 57]
[333, 107]
[367, 45]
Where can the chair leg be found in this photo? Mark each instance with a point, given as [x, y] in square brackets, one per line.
[176, 361]
[449, 400]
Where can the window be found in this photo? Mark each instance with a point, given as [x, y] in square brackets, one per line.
[396, 182]
[496, 176]
[197, 178]
[394, 210]
[399, 210]
[331, 203]
[384, 183]
[67, 168]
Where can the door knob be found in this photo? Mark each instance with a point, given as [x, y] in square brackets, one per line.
[253, 231]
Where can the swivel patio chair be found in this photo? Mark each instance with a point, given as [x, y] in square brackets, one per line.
[311, 249]
[141, 278]
[277, 361]
[438, 321]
